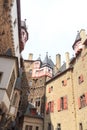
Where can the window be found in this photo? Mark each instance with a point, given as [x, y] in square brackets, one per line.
[40, 81]
[80, 126]
[30, 83]
[82, 101]
[37, 102]
[0, 76]
[15, 99]
[49, 126]
[11, 83]
[49, 107]
[37, 128]
[31, 100]
[49, 70]
[50, 89]
[52, 106]
[64, 82]
[80, 79]
[30, 71]
[62, 103]
[28, 127]
[59, 126]
[33, 111]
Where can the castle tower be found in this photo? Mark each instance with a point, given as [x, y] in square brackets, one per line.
[24, 35]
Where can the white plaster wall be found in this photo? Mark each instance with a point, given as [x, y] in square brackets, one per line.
[6, 66]
[15, 30]
[4, 98]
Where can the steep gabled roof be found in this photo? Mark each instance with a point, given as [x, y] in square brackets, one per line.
[39, 59]
[47, 62]
[62, 68]
[28, 111]
[78, 38]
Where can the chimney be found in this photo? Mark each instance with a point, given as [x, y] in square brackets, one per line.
[30, 56]
[83, 35]
[67, 59]
[58, 61]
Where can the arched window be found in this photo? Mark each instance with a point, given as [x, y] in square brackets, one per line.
[14, 99]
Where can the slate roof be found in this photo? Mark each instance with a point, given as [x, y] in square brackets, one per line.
[48, 62]
[78, 38]
[39, 58]
[28, 108]
[9, 52]
[27, 113]
[62, 68]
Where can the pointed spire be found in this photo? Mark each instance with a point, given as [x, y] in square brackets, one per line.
[39, 58]
[47, 61]
[78, 36]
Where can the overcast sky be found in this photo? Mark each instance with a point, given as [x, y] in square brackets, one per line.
[52, 26]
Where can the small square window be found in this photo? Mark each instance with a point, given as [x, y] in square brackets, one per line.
[37, 102]
[37, 128]
[82, 101]
[64, 82]
[80, 79]
[49, 126]
[51, 88]
[30, 83]
[58, 126]
[30, 71]
[28, 127]
[80, 126]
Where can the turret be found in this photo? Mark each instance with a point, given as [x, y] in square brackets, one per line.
[24, 35]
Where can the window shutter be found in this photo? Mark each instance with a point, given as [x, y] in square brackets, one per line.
[65, 82]
[52, 106]
[49, 89]
[86, 97]
[47, 108]
[81, 78]
[59, 107]
[65, 103]
[79, 103]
